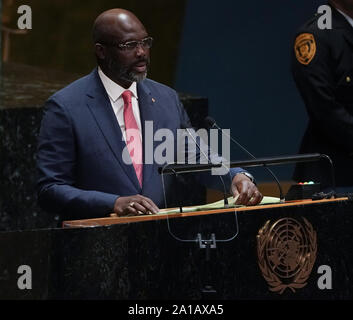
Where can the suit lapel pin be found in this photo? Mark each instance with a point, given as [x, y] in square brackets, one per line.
[153, 100]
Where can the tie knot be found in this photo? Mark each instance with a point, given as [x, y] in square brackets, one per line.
[127, 97]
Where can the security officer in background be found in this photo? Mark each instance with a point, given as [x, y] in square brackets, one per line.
[322, 67]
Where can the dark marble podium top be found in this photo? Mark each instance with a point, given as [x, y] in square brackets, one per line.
[162, 259]
[23, 86]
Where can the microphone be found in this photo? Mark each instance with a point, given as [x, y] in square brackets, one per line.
[211, 123]
[183, 126]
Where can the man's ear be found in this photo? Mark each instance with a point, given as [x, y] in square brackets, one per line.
[100, 51]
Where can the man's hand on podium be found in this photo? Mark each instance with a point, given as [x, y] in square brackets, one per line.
[245, 190]
[134, 205]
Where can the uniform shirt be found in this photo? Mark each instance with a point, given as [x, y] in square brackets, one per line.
[114, 92]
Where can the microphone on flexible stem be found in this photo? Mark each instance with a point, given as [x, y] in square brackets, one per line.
[183, 126]
[211, 123]
[333, 180]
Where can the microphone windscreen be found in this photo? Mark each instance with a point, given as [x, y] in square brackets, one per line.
[183, 125]
[209, 122]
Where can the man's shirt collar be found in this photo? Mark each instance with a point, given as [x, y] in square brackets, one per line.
[113, 89]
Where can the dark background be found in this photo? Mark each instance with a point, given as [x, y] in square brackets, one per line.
[61, 33]
[237, 53]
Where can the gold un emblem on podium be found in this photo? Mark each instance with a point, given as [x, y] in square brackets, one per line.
[286, 253]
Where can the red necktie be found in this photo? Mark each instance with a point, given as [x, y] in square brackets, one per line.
[133, 139]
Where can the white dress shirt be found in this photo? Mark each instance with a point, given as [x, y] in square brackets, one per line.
[114, 92]
[349, 19]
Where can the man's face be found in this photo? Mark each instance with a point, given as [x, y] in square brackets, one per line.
[129, 64]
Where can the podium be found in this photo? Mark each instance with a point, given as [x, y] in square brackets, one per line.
[295, 250]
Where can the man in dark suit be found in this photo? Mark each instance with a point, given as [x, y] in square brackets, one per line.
[94, 126]
[322, 67]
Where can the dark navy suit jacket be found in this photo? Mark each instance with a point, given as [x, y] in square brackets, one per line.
[79, 160]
